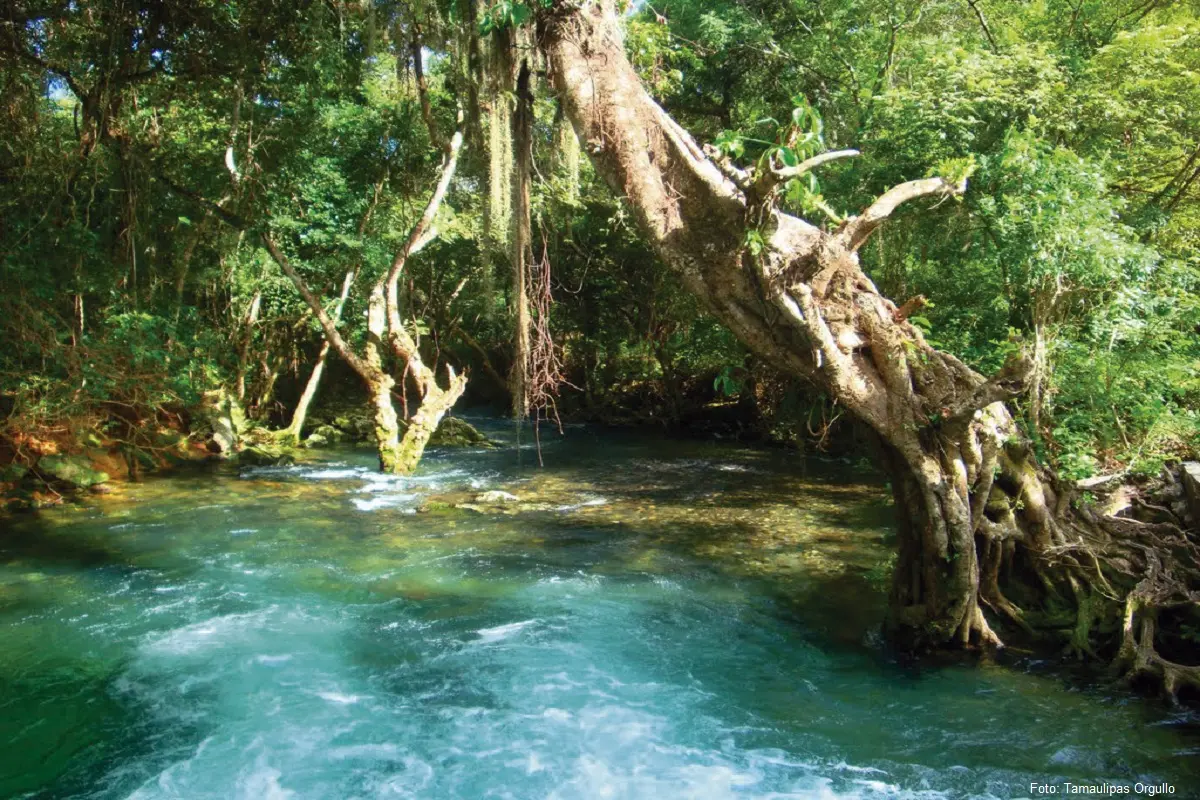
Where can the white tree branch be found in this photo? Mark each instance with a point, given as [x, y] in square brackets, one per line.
[422, 234]
[808, 165]
[858, 229]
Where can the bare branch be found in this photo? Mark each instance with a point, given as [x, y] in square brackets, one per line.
[230, 218]
[858, 229]
[987, 31]
[808, 165]
[422, 234]
[419, 231]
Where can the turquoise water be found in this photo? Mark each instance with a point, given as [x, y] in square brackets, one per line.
[658, 620]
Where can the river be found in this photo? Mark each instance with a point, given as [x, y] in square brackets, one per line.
[658, 619]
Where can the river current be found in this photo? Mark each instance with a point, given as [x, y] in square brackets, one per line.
[655, 619]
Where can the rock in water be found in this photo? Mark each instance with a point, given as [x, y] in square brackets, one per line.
[222, 419]
[316, 440]
[330, 434]
[454, 432]
[71, 469]
[497, 496]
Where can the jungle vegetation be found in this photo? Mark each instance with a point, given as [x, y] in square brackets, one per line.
[962, 237]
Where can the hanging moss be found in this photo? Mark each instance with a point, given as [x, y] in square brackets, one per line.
[568, 154]
[500, 170]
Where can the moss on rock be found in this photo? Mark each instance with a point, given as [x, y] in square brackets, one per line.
[74, 470]
[454, 432]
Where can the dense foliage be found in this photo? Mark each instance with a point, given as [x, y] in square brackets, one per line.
[145, 144]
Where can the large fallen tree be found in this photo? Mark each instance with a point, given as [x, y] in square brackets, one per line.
[975, 510]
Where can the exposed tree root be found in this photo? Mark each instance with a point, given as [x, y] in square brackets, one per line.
[1138, 658]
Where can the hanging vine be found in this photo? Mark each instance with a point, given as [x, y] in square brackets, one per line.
[545, 367]
[512, 63]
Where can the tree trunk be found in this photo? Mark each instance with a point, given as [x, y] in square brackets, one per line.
[969, 496]
[185, 261]
[401, 454]
[423, 424]
[521, 241]
[396, 454]
[266, 395]
[386, 331]
[387, 423]
[247, 335]
[296, 428]
[1039, 374]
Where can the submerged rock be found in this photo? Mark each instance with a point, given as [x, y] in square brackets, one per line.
[74, 470]
[435, 507]
[329, 434]
[497, 496]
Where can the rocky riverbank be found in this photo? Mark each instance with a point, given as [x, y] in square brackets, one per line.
[80, 460]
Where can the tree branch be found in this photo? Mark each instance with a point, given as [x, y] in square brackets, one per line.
[61, 72]
[419, 231]
[858, 229]
[1005, 384]
[987, 31]
[422, 233]
[230, 218]
[423, 90]
[741, 178]
[327, 324]
[808, 165]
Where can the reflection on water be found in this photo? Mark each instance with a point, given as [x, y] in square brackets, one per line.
[652, 619]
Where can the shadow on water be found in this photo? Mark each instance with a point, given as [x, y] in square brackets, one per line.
[28, 541]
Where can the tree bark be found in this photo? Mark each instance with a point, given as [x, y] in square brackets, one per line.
[969, 495]
[270, 373]
[248, 324]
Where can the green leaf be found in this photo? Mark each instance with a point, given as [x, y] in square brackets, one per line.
[519, 14]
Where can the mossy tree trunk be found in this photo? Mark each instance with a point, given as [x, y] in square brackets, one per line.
[970, 497]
